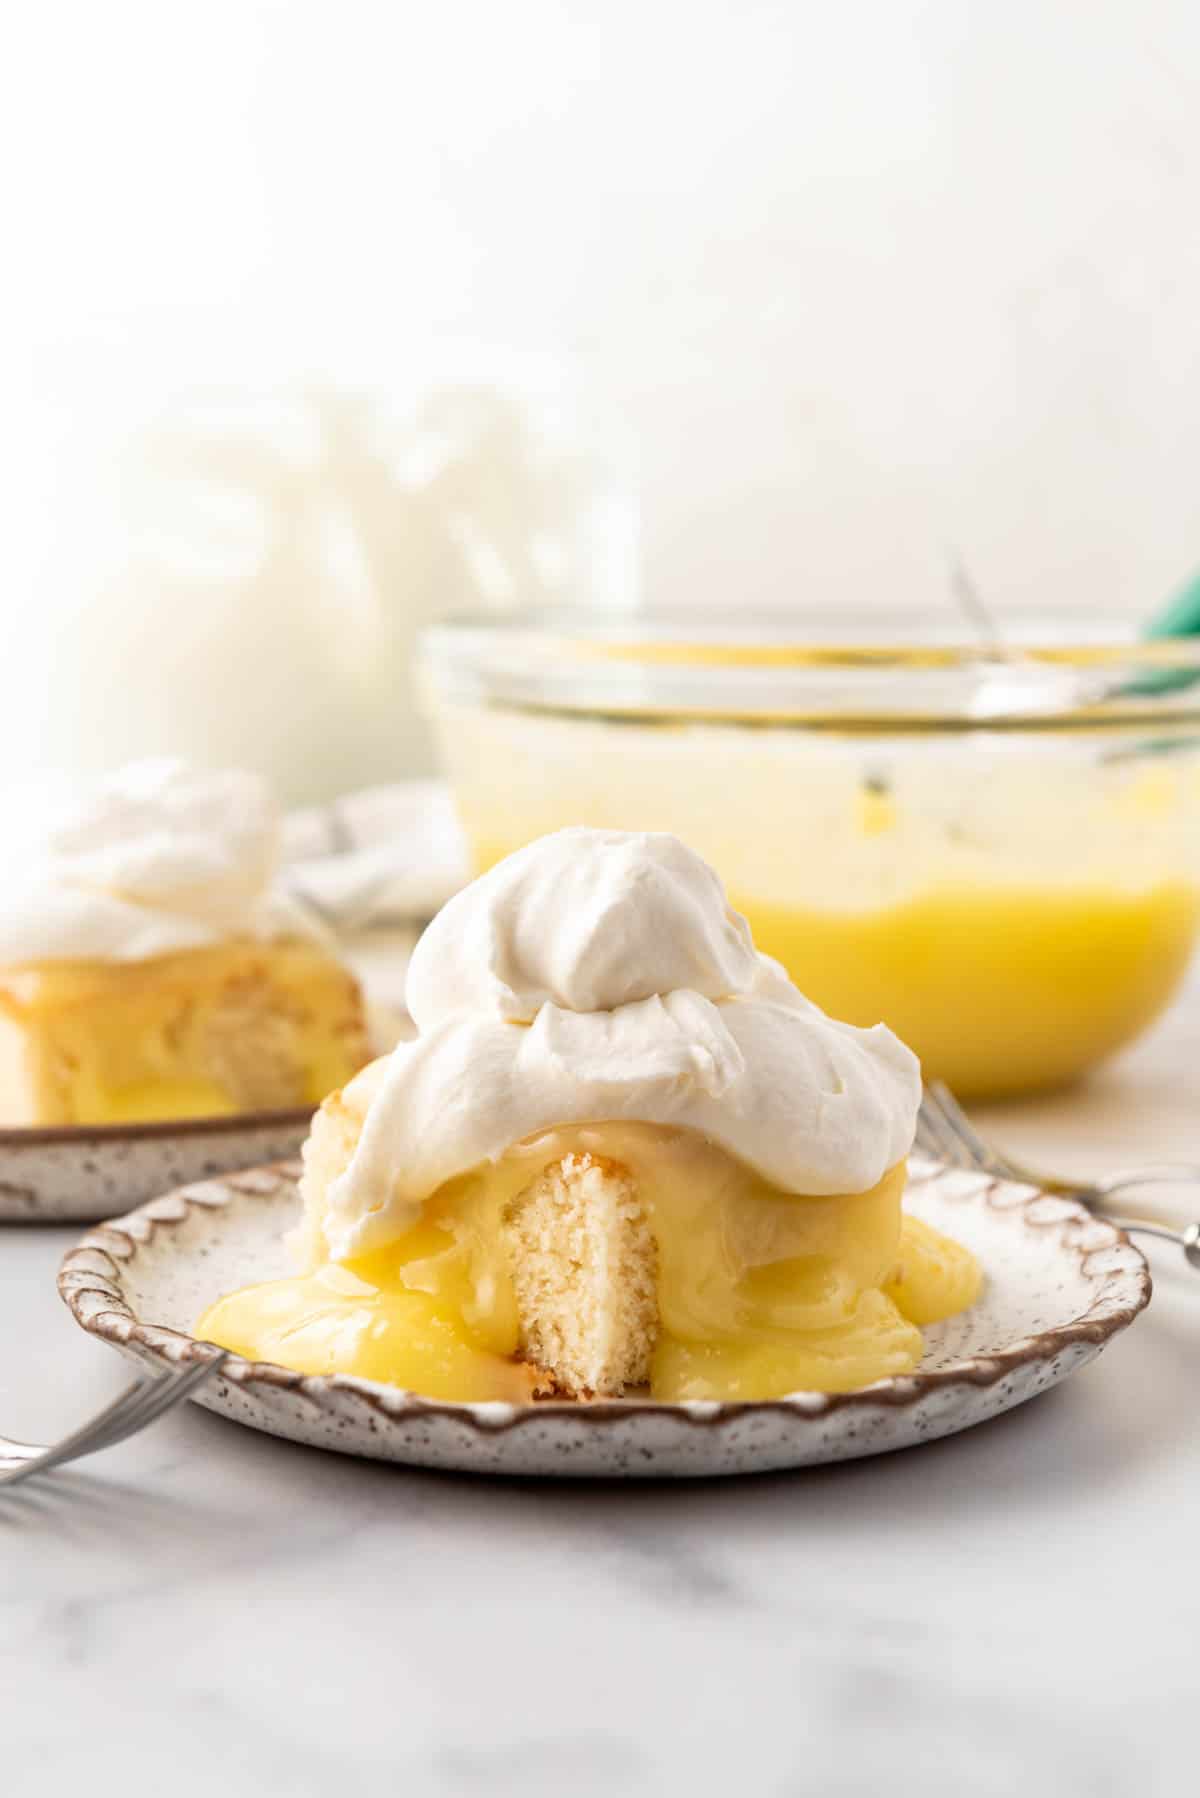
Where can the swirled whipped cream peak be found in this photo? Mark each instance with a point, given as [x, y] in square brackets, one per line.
[586, 920]
[601, 976]
[156, 858]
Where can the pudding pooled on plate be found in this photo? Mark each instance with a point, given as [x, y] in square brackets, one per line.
[149, 970]
[622, 1152]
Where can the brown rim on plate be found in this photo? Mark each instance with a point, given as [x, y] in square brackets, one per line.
[91, 1284]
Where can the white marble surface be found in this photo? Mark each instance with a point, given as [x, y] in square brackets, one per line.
[1013, 1610]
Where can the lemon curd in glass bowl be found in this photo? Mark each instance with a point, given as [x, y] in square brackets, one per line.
[995, 853]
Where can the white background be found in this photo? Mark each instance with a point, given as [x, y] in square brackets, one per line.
[840, 286]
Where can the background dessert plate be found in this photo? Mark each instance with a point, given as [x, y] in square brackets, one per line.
[74, 1173]
[1060, 1284]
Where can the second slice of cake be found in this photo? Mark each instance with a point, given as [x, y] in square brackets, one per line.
[147, 971]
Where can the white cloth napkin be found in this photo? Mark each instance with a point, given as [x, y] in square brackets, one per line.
[390, 855]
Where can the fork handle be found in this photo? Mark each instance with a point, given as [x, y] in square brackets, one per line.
[1187, 1239]
[1161, 1174]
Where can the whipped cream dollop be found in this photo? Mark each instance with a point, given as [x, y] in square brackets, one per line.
[584, 920]
[598, 976]
[156, 858]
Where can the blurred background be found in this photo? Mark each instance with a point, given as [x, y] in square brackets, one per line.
[323, 319]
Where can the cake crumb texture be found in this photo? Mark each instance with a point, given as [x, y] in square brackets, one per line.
[584, 1267]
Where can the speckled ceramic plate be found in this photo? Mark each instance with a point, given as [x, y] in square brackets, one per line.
[75, 1173]
[1060, 1283]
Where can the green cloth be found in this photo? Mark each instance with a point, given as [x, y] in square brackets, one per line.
[1181, 616]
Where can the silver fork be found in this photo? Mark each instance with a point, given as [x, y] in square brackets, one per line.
[946, 1133]
[141, 1405]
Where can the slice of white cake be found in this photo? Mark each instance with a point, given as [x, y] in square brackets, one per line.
[584, 1266]
[576, 1241]
[621, 1152]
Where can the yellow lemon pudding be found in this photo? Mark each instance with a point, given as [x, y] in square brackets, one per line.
[998, 856]
[147, 969]
[622, 1152]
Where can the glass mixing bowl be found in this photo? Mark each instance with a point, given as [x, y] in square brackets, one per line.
[994, 850]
